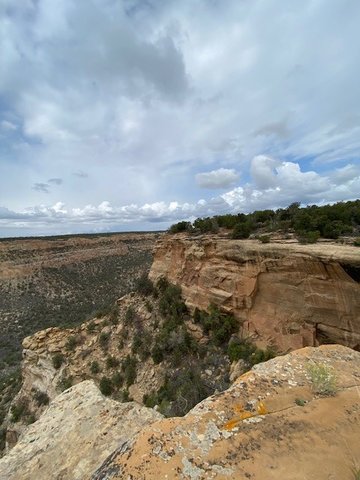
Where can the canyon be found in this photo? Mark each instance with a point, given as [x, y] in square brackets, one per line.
[262, 422]
[62, 281]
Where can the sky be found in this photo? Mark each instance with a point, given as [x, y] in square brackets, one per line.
[121, 115]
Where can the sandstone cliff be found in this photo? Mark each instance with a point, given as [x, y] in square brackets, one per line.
[270, 424]
[287, 295]
[74, 436]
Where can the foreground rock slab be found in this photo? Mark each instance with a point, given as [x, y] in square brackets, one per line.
[272, 423]
[74, 436]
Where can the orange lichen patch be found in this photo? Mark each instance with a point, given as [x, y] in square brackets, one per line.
[244, 414]
[261, 409]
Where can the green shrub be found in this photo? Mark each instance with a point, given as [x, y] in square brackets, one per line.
[112, 362]
[117, 380]
[71, 343]
[57, 360]
[357, 242]
[41, 398]
[162, 284]
[241, 350]
[157, 354]
[308, 237]
[323, 379]
[150, 400]
[219, 325]
[94, 367]
[180, 227]
[91, 327]
[181, 391]
[106, 386]
[129, 369]
[206, 225]
[144, 285]
[19, 410]
[264, 238]
[300, 402]
[104, 340]
[241, 230]
[247, 351]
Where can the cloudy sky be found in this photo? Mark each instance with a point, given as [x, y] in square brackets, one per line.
[134, 114]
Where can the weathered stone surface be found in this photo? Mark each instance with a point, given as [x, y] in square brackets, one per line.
[268, 425]
[74, 436]
[288, 295]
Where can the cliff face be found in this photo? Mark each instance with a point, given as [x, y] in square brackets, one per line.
[270, 424]
[287, 295]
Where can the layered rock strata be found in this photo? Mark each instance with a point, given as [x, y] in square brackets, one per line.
[287, 295]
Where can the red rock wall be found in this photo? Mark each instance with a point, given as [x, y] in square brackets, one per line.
[285, 295]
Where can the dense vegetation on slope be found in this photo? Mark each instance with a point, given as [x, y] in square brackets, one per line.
[150, 342]
[309, 223]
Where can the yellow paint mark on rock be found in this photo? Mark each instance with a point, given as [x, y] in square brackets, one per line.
[243, 414]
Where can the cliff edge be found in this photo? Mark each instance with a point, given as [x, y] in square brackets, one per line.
[296, 416]
[286, 295]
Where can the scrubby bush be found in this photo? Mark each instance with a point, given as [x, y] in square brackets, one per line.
[19, 410]
[129, 369]
[220, 326]
[308, 237]
[104, 340]
[180, 227]
[112, 362]
[180, 392]
[264, 238]
[206, 225]
[144, 285]
[91, 327]
[106, 386]
[241, 231]
[71, 343]
[57, 360]
[94, 367]
[157, 354]
[117, 379]
[41, 398]
[323, 378]
[245, 350]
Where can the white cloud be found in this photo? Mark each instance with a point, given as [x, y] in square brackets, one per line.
[221, 178]
[138, 96]
[289, 184]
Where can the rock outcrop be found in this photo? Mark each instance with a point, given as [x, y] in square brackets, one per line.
[75, 434]
[274, 422]
[40, 375]
[286, 295]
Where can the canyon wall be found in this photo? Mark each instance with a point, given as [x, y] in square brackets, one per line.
[285, 295]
